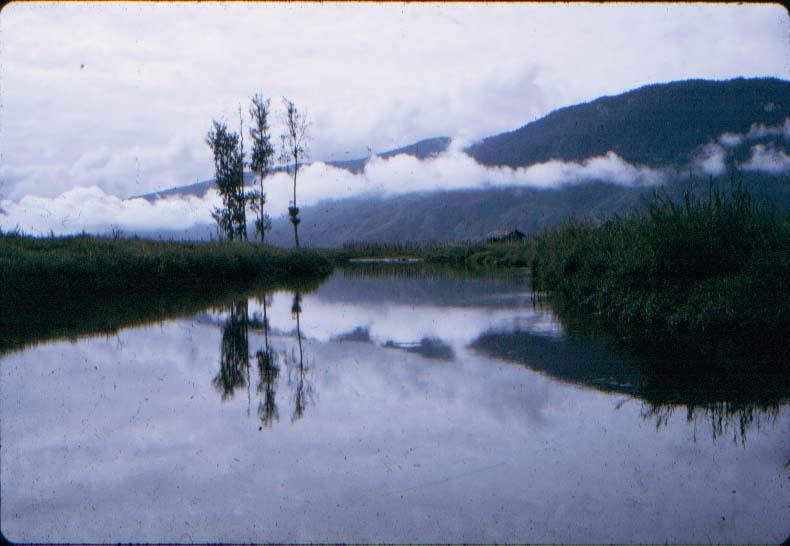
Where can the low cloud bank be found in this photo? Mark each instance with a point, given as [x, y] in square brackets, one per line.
[756, 131]
[765, 157]
[710, 160]
[93, 210]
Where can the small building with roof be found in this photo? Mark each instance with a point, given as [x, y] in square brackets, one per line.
[505, 236]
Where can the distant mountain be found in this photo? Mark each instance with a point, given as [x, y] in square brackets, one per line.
[655, 125]
[663, 126]
[472, 214]
[421, 150]
[449, 215]
[198, 189]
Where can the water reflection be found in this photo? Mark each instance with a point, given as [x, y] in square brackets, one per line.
[443, 314]
[729, 402]
[359, 334]
[234, 372]
[77, 315]
[268, 372]
[722, 418]
[235, 351]
[297, 371]
[555, 448]
[427, 347]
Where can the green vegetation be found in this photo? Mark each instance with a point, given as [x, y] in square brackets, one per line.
[294, 153]
[713, 266]
[230, 161]
[91, 265]
[509, 254]
[261, 160]
[70, 286]
[228, 150]
[654, 125]
[356, 250]
[707, 268]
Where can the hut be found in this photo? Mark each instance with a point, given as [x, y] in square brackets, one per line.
[503, 236]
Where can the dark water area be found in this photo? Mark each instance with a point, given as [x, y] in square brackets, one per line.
[389, 404]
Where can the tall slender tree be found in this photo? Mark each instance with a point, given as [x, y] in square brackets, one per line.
[261, 160]
[223, 145]
[294, 152]
[229, 175]
[241, 194]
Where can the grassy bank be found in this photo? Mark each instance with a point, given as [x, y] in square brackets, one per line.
[508, 254]
[711, 267]
[85, 264]
[358, 250]
[71, 286]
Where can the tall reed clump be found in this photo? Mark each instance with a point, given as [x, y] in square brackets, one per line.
[710, 265]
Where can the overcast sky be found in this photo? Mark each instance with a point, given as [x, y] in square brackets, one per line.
[120, 96]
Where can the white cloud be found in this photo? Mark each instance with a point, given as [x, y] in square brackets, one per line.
[760, 130]
[710, 159]
[755, 132]
[767, 159]
[120, 95]
[731, 140]
[94, 210]
[451, 170]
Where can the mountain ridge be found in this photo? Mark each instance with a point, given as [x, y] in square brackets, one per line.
[665, 126]
[421, 149]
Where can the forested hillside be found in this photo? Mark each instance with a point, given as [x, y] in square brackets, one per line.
[654, 125]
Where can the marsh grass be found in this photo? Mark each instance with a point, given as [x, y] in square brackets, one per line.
[361, 249]
[710, 266]
[85, 264]
[707, 266]
[64, 287]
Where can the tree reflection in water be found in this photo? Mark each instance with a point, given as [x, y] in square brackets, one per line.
[268, 372]
[234, 370]
[234, 354]
[297, 371]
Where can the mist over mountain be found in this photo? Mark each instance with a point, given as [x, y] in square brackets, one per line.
[656, 125]
[589, 160]
[473, 214]
[423, 149]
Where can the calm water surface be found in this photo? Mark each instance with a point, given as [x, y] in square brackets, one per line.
[387, 405]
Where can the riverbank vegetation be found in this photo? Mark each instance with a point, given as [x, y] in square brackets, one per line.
[361, 249]
[63, 287]
[712, 266]
[91, 265]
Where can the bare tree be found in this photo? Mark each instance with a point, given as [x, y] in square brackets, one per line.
[261, 159]
[294, 152]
